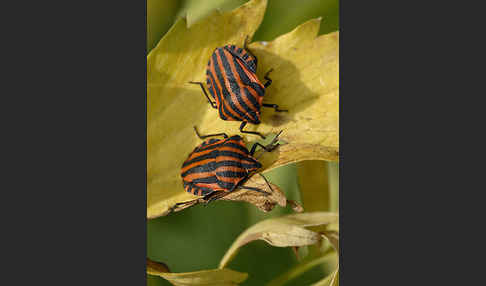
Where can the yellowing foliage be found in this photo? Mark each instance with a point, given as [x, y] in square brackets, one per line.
[305, 81]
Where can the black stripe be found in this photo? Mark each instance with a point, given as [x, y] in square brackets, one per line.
[244, 79]
[207, 180]
[238, 164]
[239, 51]
[226, 185]
[247, 82]
[215, 87]
[257, 88]
[226, 142]
[232, 81]
[204, 190]
[245, 56]
[255, 103]
[231, 174]
[194, 190]
[232, 145]
[225, 94]
[204, 168]
[210, 155]
[213, 165]
[235, 137]
[236, 146]
[235, 89]
[235, 155]
[251, 65]
[223, 142]
[211, 78]
[207, 145]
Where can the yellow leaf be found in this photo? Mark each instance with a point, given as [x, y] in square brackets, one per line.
[305, 81]
[216, 277]
[174, 106]
[282, 232]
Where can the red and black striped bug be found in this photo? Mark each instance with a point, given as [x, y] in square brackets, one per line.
[219, 166]
[232, 82]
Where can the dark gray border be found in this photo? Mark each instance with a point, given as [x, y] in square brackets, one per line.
[404, 77]
[76, 160]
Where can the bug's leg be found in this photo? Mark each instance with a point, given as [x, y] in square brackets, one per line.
[266, 181]
[243, 124]
[214, 196]
[208, 197]
[209, 135]
[256, 190]
[269, 148]
[269, 80]
[213, 104]
[274, 106]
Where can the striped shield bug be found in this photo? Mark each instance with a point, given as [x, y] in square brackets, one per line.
[232, 82]
[219, 166]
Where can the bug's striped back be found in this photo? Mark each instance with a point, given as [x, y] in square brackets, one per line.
[217, 165]
[242, 54]
[232, 81]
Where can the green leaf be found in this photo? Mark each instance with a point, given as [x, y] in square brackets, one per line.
[331, 280]
[160, 16]
[196, 10]
[283, 16]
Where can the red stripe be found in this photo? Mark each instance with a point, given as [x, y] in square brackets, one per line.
[234, 116]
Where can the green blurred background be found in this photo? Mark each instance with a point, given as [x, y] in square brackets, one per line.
[197, 238]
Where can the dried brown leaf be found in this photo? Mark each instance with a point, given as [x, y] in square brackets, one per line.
[265, 202]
